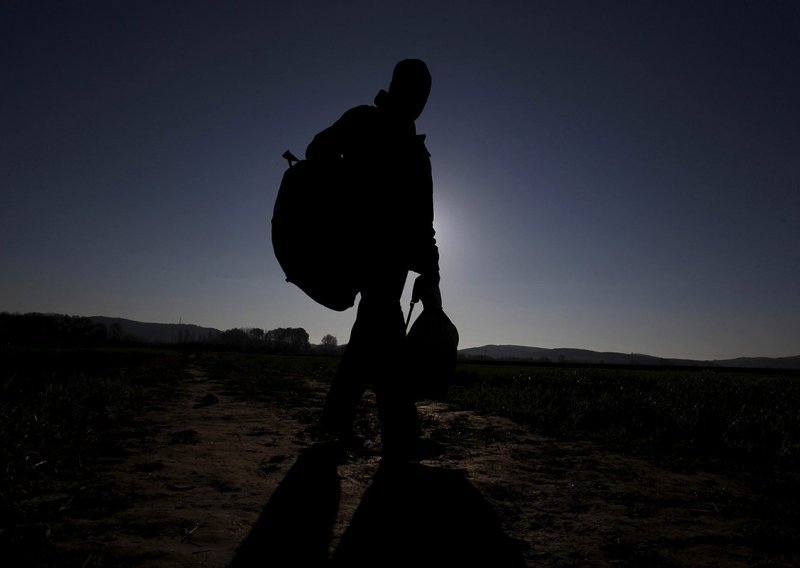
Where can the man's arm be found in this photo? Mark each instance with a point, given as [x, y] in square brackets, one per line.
[424, 252]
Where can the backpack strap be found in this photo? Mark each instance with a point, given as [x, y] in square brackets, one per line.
[289, 157]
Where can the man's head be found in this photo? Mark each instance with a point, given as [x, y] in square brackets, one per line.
[410, 87]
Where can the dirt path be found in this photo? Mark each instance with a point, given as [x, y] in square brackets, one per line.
[195, 488]
[576, 503]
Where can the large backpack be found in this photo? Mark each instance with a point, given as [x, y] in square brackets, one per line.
[310, 216]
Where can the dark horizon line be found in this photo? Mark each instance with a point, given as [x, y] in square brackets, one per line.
[540, 352]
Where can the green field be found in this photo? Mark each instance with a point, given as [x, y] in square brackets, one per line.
[61, 407]
[702, 412]
[66, 412]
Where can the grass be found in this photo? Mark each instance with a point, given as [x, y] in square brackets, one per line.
[745, 416]
[61, 410]
[252, 376]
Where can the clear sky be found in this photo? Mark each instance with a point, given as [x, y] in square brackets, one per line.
[615, 175]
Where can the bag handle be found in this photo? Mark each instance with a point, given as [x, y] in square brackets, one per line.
[410, 309]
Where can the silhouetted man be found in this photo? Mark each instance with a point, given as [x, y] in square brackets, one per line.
[392, 202]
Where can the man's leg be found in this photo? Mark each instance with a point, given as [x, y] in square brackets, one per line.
[396, 409]
[374, 354]
[347, 387]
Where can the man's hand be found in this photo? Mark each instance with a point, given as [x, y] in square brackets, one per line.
[426, 289]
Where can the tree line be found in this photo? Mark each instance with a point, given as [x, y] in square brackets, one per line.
[52, 330]
[279, 340]
[58, 330]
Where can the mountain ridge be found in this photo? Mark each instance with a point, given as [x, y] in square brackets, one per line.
[185, 332]
[151, 332]
[568, 355]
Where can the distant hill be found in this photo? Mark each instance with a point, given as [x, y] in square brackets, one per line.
[183, 332]
[762, 362]
[160, 332]
[523, 353]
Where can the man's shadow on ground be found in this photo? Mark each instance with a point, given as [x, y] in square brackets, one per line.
[414, 516]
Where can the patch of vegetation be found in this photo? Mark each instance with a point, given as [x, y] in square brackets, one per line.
[62, 410]
[258, 376]
[728, 414]
[51, 330]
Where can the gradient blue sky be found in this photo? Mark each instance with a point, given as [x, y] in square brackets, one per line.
[608, 175]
